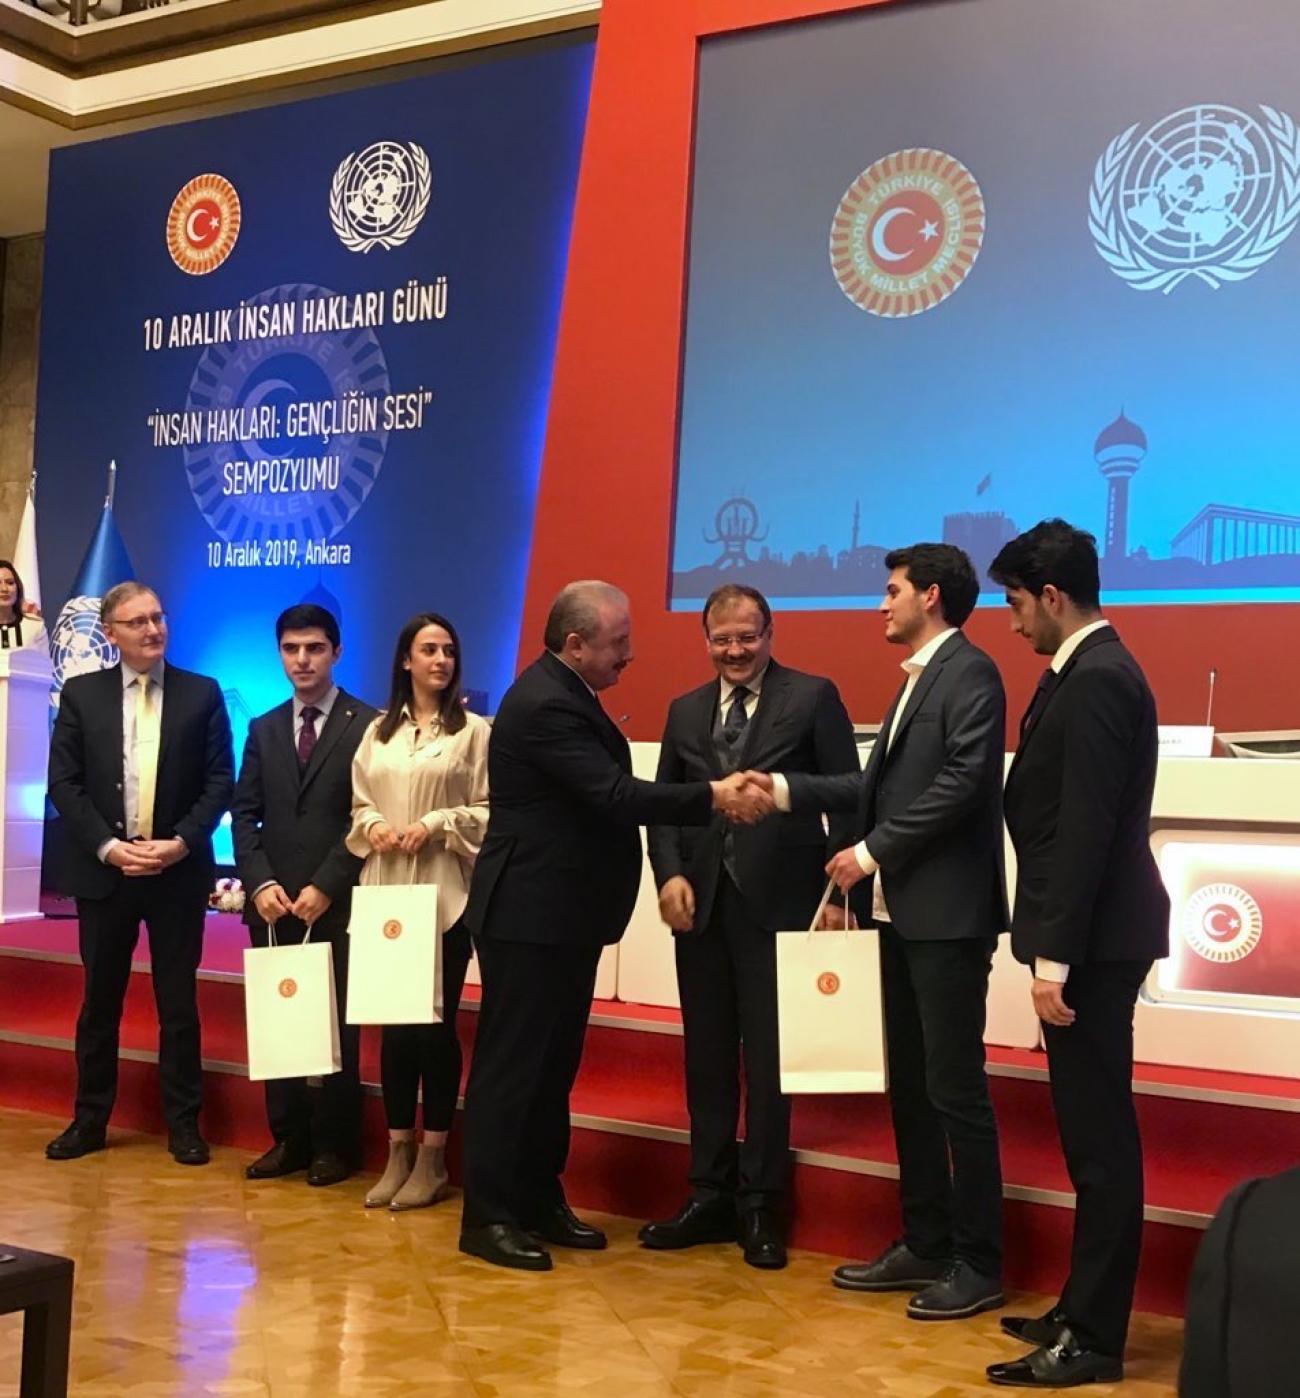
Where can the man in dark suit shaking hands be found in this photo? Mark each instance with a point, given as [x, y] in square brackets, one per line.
[291, 814]
[1091, 915]
[555, 882]
[140, 771]
[928, 813]
[726, 892]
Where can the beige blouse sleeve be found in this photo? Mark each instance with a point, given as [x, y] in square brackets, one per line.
[462, 826]
[365, 812]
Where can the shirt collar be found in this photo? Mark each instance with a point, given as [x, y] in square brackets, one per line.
[1072, 643]
[322, 706]
[914, 664]
[754, 686]
[155, 673]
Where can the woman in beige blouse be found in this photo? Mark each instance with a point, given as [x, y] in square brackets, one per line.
[419, 810]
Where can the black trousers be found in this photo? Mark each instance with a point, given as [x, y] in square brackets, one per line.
[172, 911]
[330, 1118]
[1091, 1063]
[536, 1000]
[950, 1175]
[427, 1057]
[726, 976]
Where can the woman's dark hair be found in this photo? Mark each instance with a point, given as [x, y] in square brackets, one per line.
[400, 693]
[20, 595]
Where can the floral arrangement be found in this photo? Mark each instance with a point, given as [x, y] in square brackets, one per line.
[227, 896]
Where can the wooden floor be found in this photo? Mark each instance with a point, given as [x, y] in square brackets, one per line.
[196, 1281]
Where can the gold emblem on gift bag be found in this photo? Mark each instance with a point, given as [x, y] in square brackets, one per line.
[288, 987]
[392, 929]
[828, 982]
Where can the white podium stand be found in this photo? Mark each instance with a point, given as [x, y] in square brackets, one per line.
[24, 755]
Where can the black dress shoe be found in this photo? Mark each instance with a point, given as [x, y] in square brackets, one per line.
[76, 1141]
[561, 1226]
[960, 1292]
[187, 1146]
[898, 1268]
[326, 1169]
[284, 1158]
[697, 1221]
[504, 1245]
[760, 1238]
[1062, 1364]
[1035, 1330]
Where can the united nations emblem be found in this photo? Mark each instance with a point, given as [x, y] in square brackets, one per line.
[1222, 922]
[1206, 192]
[288, 987]
[79, 644]
[378, 196]
[203, 224]
[828, 983]
[907, 232]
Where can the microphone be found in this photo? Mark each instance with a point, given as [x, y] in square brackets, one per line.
[1209, 707]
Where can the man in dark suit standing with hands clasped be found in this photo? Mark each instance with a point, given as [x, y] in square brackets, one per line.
[140, 771]
[726, 892]
[291, 813]
[928, 813]
[1091, 915]
[555, 883]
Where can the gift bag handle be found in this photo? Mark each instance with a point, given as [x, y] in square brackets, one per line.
[270, 928]
[821, 908]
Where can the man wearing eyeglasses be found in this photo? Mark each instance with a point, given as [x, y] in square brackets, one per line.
[141, 770]
[725, 891]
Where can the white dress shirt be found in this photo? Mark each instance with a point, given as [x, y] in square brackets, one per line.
[1045, 970]
[912, 667]
[754, 688]
[130, 772]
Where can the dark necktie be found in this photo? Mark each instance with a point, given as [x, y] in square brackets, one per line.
[1046, 683]
[307, 735]
[734, 727]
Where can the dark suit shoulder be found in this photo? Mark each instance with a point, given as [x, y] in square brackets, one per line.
[93, 683]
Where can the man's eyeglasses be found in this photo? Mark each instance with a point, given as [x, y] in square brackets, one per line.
[138, 623]
[745, 639]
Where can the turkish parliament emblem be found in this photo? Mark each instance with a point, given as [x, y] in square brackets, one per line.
[907, 232]
[203, 224]
[1222, 922]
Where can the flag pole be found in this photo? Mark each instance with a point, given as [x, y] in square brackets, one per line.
[112, 485]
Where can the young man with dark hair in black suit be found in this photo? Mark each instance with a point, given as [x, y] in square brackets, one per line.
[1091, 915]
[291, 813]
[140, 771]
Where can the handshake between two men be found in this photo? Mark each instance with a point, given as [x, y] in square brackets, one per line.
[746, 798]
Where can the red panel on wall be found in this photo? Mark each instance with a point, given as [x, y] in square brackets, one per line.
[605, 503]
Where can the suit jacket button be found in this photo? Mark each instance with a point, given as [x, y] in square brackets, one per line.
[121, 825]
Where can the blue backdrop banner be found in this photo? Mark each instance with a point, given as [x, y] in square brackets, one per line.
[317, 338]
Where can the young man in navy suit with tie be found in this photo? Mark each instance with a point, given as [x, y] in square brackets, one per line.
[291, 812]
[1091, 915]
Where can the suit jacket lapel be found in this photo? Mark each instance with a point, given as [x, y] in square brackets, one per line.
[115, 707]
[772, 699]
[282, 739]
[710, 710]
[173, 692]
[924, 684]
[610, 733]
[342, 713]
[1098, 638]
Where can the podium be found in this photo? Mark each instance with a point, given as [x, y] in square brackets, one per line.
[24, 756]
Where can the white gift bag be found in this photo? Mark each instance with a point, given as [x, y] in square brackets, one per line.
[290, 1010]
[830, 1014]
[395, 955]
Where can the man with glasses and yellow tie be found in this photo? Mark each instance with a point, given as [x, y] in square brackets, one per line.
[141, 770]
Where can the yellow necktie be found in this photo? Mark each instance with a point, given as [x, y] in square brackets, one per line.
[146, 754]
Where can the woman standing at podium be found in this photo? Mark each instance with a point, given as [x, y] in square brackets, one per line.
[419, 810]
[21, 627]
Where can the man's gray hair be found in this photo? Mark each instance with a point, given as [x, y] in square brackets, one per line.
[119, 593]
[576, 609]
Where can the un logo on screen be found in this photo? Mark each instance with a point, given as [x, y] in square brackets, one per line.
[79, 645]
[378, 196]
[1207, 192]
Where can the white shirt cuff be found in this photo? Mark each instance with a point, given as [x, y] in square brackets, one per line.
[781, 792]
[865, 861]
[1045, 970]
[103, 851]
